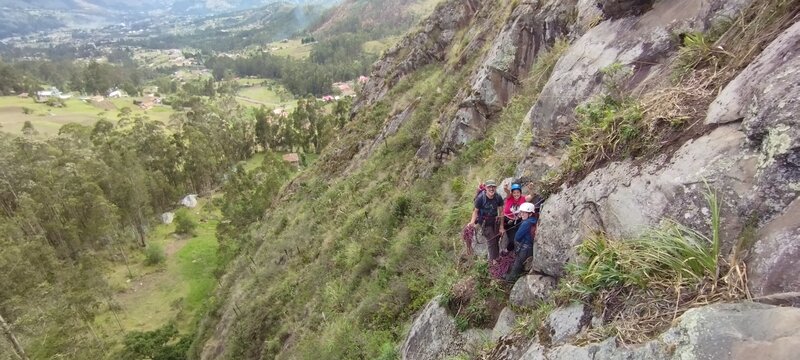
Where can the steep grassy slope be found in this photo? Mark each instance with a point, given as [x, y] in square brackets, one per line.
[339, 266]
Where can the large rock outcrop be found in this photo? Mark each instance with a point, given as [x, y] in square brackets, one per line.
[765, 97]
[640, 42]
[625, 198]
[716, 332]
[752, 158]
[531, 28]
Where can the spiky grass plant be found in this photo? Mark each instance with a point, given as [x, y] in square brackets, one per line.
[643, 283]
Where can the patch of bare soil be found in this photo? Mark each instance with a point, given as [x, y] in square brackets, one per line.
[11, 110]
[176, 245]
[105, 105]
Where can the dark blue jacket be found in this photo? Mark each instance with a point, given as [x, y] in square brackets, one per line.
[524, 232]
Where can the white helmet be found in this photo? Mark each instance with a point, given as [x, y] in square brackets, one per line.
[527, 207]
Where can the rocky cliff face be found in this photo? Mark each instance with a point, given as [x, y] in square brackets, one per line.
[424, 46]
[530, 28]
[740, 140]
[747, 151]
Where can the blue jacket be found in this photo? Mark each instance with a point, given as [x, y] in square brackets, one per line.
[523, 235]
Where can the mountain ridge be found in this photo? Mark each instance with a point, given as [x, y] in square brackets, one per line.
[20, 18]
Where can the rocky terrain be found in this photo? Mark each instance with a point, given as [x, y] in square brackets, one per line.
[629, 116]
[747, 150]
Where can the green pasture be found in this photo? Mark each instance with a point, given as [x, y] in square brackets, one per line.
[48, 120]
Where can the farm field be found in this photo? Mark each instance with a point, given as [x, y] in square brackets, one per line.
[48, 120]
[293, 48]
[271, 95]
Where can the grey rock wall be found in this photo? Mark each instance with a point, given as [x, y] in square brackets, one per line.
[642, 43]
[531, 27]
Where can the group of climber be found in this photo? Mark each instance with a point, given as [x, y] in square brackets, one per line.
[515, 217]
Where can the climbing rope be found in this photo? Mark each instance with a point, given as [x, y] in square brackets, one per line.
[467, 235]
[503, 264]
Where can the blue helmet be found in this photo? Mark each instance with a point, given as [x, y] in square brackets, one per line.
[516, 187]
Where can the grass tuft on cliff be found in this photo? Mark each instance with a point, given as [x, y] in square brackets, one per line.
[642, 284]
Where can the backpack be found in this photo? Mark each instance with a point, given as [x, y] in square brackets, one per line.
[481, 190]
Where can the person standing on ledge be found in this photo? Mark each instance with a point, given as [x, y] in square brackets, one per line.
[524, 240]
[488, 205]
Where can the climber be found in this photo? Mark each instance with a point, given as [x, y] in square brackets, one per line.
[524, 239]
[510, 219]
[488, 205]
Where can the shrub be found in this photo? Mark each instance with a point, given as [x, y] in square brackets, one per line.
[697, 51]
[609, 127]
[164, 343]
[458, 185]
[606, 127]
[55, 102]
[154, 254]
[402, 207]
[28, 129]
[184, 224]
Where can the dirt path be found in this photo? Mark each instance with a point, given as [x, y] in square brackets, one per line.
[149, 281]
[176, 245]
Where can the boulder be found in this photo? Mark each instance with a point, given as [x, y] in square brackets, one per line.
[764, 97]
[564, 323]
[508, 347]
[737, 331]
[775, 257]
[589, 15]
[781, 299]
[505, 323]
[434, 335]
[529, 290]
[535, 352]
[605, 350]
[189, 201]
[713, 332]
[480, 245]
[778, 61]
[167, 217]
[473, 340]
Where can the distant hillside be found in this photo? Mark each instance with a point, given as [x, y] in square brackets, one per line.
[21, 17]
[234, 30]
[173, 7]
[379, 17]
